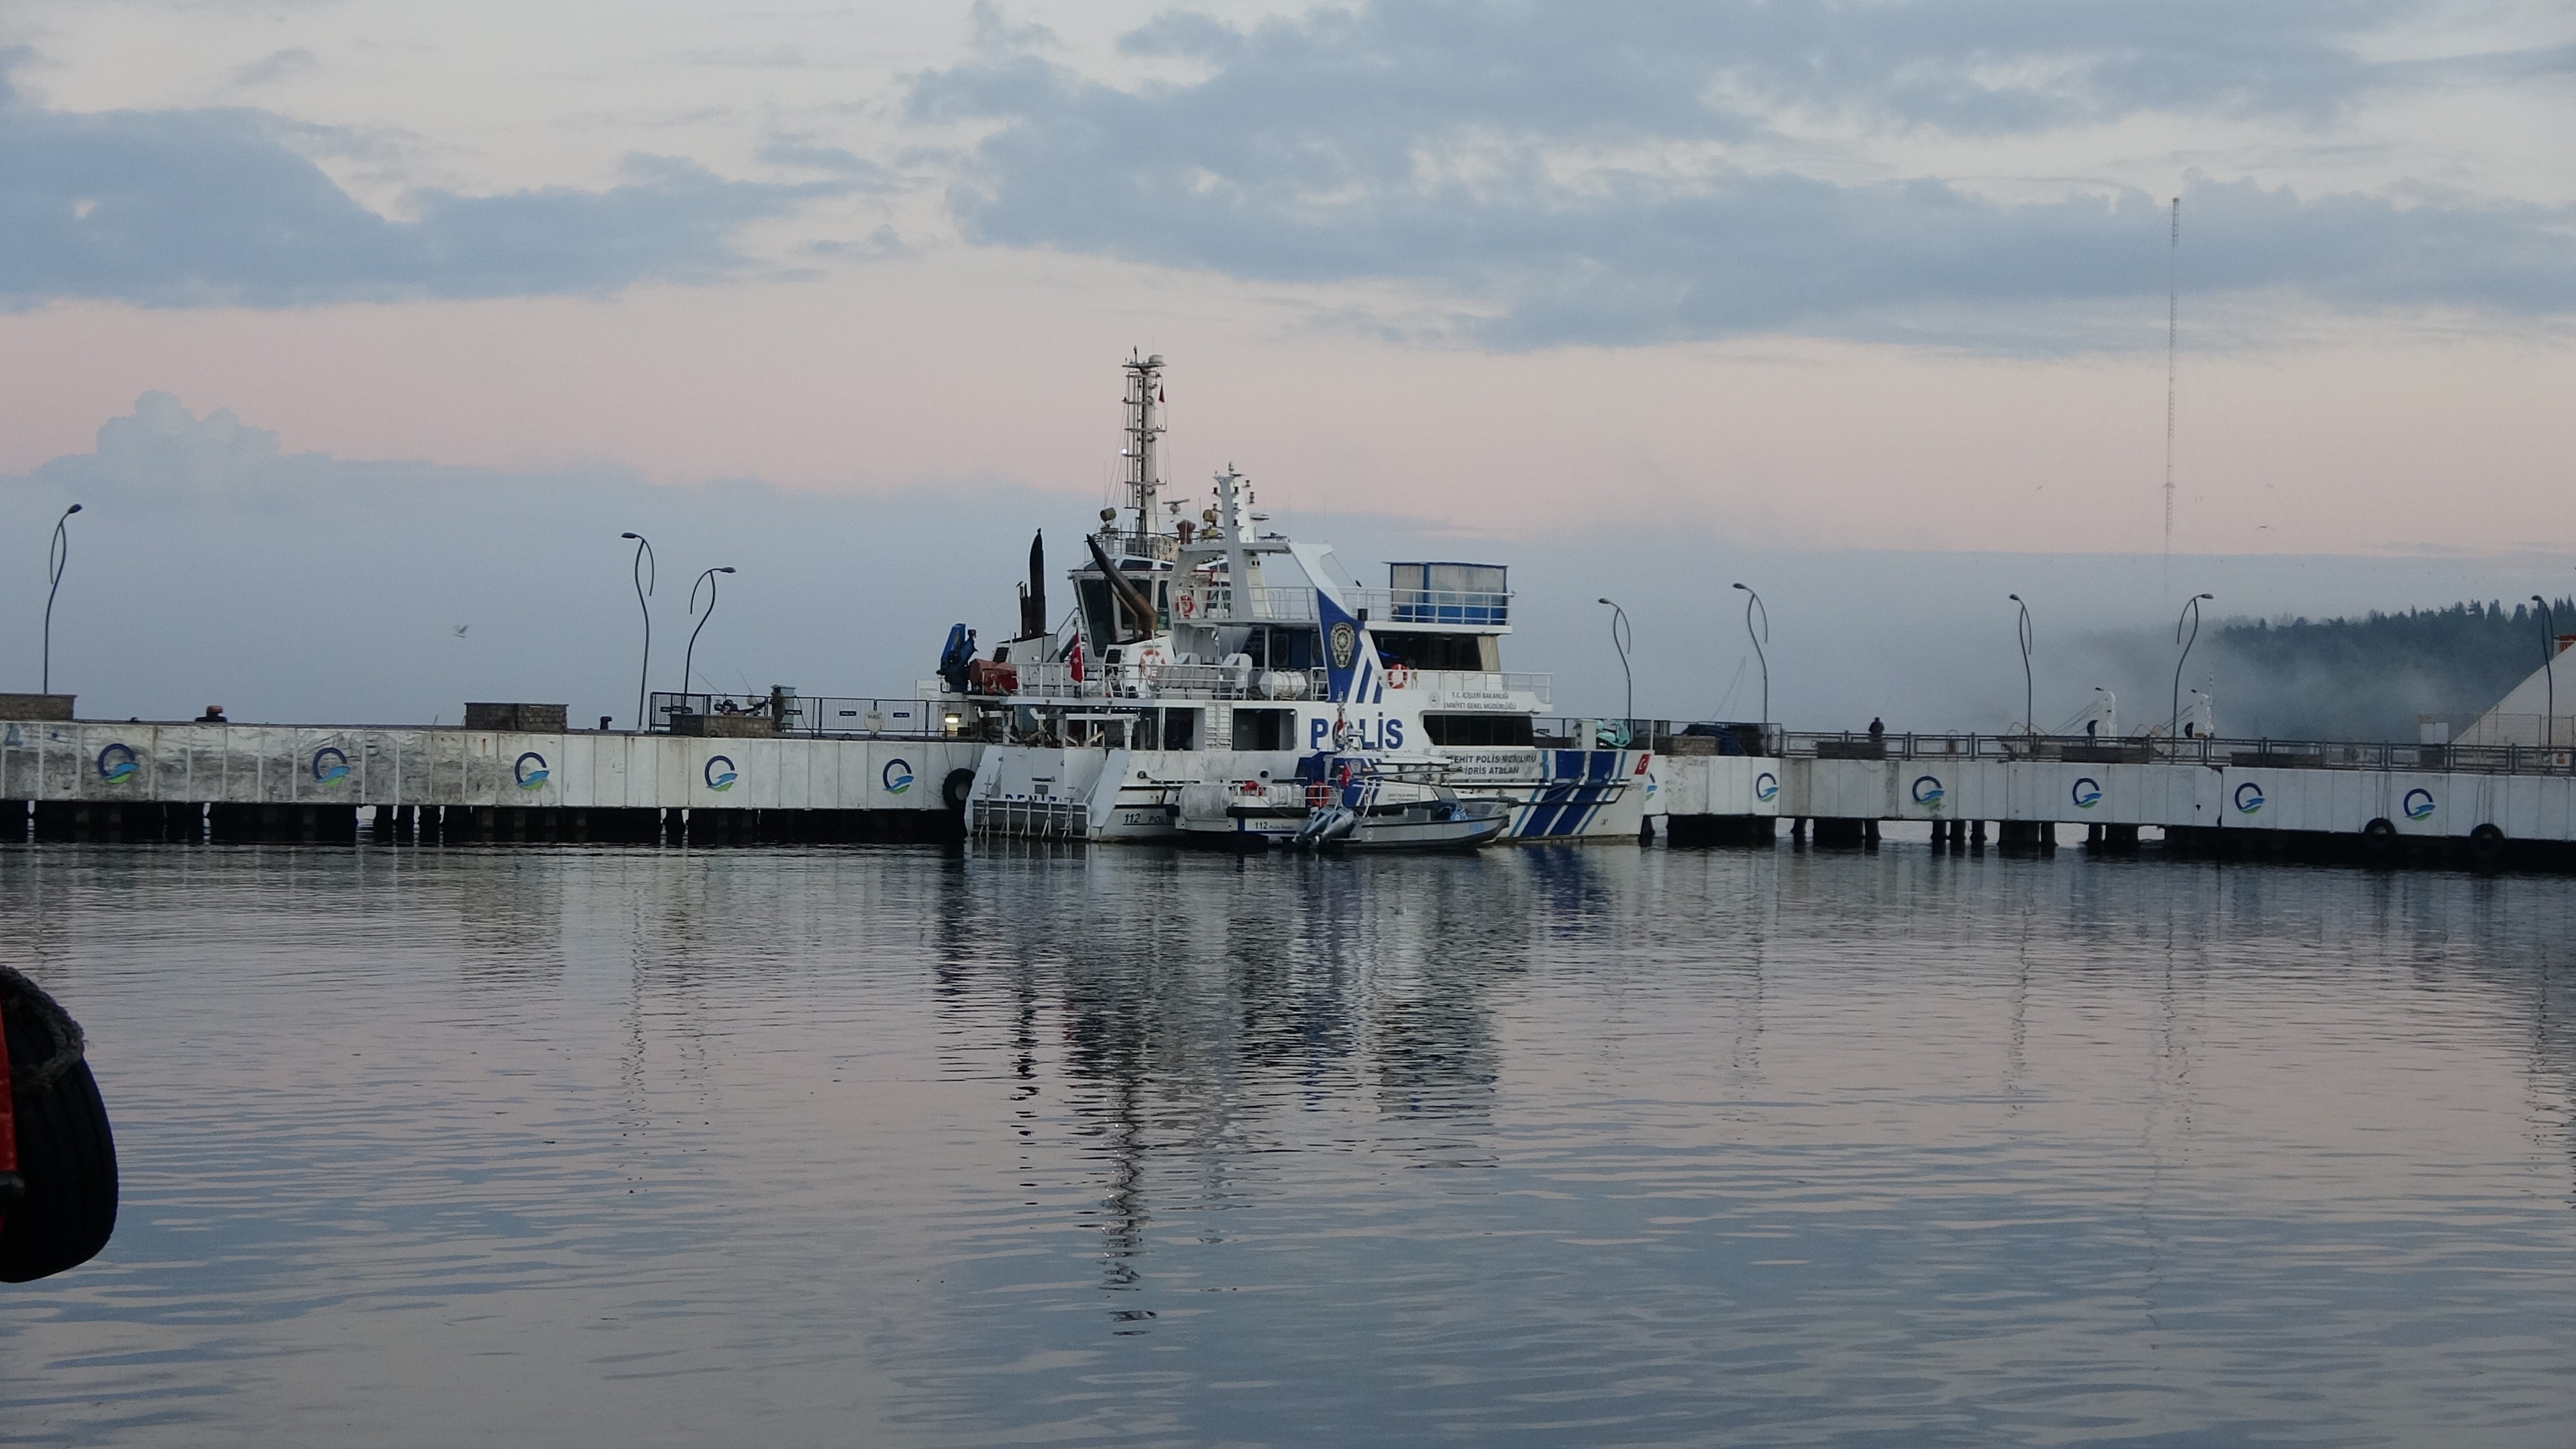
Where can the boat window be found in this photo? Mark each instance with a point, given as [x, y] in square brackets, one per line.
[1430, 651]
[1478, 729]
[1264, 729]
[1276, 648]
[1145, 735]
[1180, 729]
[1093, 594]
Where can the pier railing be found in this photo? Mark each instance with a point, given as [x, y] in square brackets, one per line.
[817, 715]
[2197, 750]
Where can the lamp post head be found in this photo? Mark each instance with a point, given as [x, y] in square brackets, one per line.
[2016, 598]
[1739, 586]
[68, 512]
[2204, 596]
[630, 535]
[726, 569]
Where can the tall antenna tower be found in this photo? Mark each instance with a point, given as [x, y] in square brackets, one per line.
[1144, 438]
[2173, 333]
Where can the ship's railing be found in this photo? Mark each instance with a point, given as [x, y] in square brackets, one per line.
[2189, 750]
[1460, 608]
[1273, 604]
[1169, 681]
[817, 714]
[1661, 736]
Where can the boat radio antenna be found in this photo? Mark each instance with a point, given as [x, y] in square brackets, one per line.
[2173, 333]
[1144, 432]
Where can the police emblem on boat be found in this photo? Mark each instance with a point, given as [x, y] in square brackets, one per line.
[1345, 644]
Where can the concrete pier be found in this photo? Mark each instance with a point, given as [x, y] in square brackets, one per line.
[2380, 803]
[62, 779]
[215, 782]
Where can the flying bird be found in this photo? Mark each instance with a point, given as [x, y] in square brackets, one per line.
[461, 628]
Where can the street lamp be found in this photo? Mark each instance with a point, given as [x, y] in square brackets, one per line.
[2190, 612]
[644, 561]
[2029, 710]
[1620, 638]
[2549, 673]
[706, 581]
[57, 554]
[1752, 602]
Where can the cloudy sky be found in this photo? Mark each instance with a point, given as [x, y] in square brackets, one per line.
[1796, 278]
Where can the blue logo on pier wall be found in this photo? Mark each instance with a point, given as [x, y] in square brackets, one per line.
[719, 773]
[116, 764]
[530, 771]
[2419, 804]
[1927, 792]
[330, 767]
[897, 776]
[1766, 786]
[2087, 793]
[2249, 798]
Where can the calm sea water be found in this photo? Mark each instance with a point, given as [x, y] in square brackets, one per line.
[1540, 1146]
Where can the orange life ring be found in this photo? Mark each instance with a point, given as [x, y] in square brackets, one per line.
[1189, 603]
[1398, 676]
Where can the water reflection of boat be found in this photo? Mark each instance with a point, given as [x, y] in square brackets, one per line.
[1207, 654]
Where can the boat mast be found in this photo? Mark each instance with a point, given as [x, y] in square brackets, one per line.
[1144, 463]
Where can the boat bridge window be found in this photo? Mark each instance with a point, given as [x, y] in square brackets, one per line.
[1265, 729]
[1097, 621]
[1165, 729]
[1478, 729]
[1276, 648]
[1434, 651]
[1449, 593]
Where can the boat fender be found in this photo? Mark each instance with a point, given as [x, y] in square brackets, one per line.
[954, 790]
[57, 1154]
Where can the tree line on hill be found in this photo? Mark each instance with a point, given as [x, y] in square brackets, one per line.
[2369, 678]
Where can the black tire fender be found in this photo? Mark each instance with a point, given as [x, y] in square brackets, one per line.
[65, 1207]
[954, 790]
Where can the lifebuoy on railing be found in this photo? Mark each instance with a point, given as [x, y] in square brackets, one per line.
[1189, 603]
[1399, 675]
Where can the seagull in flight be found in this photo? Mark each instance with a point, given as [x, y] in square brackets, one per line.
[461, 628]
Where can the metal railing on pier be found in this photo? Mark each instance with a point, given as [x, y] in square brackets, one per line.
[2195, 750]
[816, 715]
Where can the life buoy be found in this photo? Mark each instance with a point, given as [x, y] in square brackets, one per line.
[1318, 795]
[1399, 675]
[1189, 603]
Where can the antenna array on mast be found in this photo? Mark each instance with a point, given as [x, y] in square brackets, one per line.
[1144, 434]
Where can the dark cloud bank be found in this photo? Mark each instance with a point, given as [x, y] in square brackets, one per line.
[1412, 140]
[208, 207]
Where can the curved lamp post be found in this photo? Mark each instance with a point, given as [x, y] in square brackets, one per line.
[644, 562]
[2029, 710]
[2549, 673]
[57, 554]
[1753, 602]
[1620, 638]
[705, 581]
[2190, 613]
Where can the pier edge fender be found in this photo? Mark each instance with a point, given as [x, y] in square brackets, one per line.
[954, 791]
